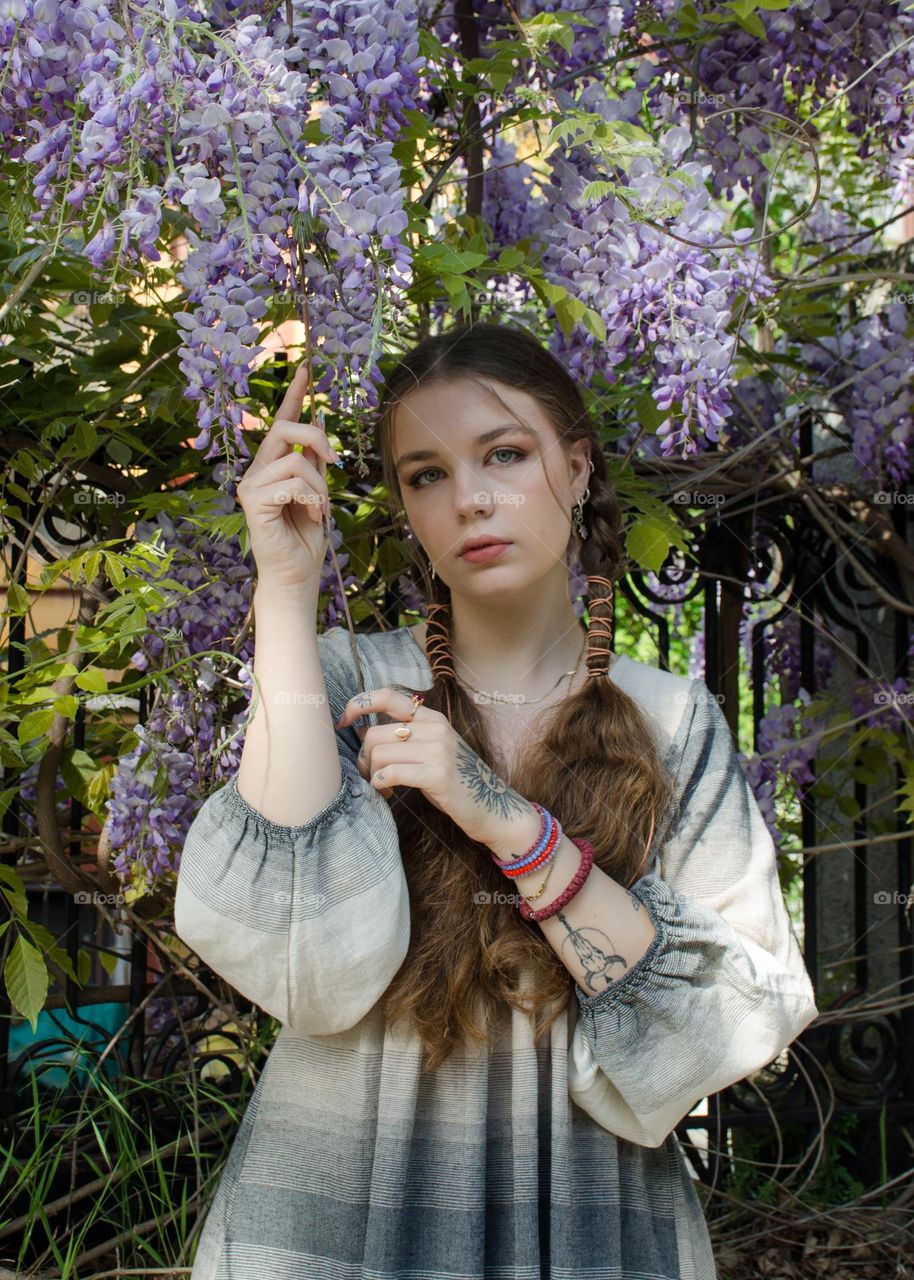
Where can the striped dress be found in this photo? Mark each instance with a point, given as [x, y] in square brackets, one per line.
[349, 1164]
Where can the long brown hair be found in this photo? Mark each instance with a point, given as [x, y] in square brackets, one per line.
[595, 766]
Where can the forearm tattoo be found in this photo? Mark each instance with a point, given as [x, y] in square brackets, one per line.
[487, 788]
[596, 959]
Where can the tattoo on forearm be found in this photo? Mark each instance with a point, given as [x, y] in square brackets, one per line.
[486, 787]
[596, 958]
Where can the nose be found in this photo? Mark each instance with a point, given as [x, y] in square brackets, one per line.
[471, 496]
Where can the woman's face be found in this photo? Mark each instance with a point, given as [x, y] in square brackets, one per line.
[463, 487]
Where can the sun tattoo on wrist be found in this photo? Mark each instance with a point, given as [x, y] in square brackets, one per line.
[490, 791]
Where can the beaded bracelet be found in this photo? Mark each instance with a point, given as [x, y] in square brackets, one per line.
[564, 898]
[549, 836]
[555, 839]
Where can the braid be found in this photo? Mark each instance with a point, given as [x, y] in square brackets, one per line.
[599, 630]
[601, 561]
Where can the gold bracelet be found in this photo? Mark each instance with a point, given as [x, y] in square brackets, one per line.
[552, 861]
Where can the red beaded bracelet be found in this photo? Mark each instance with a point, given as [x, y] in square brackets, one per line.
[553, 841]
[564, 898]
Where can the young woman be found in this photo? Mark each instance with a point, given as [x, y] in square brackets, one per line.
[515, 926]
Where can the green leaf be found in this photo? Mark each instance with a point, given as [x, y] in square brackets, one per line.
[34, 725]
[26, 977]
[67, 706]
[446, 259]
[14, 892]
[92, 680]
[509, 259]
[648, 544]
[17, 600]
[849, 806]
[50, 947]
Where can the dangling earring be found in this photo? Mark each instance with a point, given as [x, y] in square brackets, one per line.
[578, 512]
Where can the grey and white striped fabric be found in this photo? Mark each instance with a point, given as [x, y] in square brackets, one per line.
[351, 1165]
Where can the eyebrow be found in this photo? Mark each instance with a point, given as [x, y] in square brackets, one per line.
[420, 455]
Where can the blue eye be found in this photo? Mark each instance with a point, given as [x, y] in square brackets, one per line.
[414, 483]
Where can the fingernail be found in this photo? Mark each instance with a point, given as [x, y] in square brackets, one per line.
[338, 462]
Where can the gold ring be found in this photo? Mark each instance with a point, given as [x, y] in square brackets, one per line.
[417, 701]
[403, 732]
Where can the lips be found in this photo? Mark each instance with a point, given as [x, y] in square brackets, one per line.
[475, 544]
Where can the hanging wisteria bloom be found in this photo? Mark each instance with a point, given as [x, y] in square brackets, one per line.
[666, 306]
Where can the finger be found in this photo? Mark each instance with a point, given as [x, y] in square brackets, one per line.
[295, 395]
[393, 701]
[283, 437]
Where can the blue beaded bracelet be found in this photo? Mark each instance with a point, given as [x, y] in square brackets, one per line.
[547, 824]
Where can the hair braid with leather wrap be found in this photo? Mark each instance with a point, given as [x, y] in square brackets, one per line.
[594, 763]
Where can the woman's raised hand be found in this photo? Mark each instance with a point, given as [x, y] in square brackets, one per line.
[436, 760]
[284, 495]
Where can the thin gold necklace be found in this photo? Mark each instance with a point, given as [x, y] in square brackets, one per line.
[531, 702]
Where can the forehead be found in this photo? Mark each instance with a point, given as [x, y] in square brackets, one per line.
[452, 414]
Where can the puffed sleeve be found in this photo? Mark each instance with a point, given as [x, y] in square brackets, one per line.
[722, 989]
[309, 922]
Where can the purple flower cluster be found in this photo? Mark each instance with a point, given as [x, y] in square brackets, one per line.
[186, 746]
[870, 364]
[666, 306]
[192, 740]
[214, 115]
[812, 51]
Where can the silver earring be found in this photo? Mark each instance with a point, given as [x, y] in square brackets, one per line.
[578, 512]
